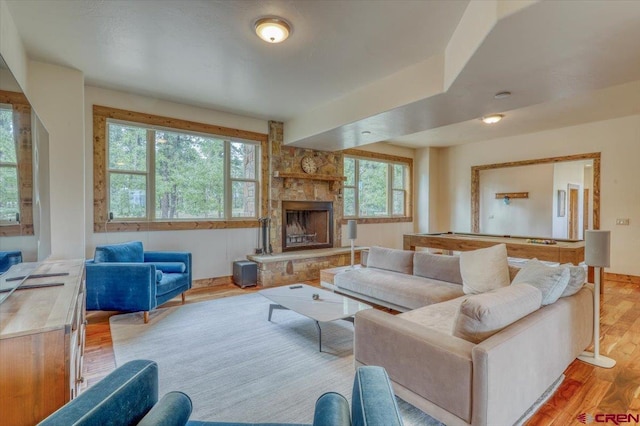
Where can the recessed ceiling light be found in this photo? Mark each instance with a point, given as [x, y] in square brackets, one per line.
[272, 30]
[502, 95]
[366, 132]
[492, 119]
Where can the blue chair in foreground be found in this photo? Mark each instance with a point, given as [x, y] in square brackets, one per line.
[8, 259]
[129, 396]
[124, 277]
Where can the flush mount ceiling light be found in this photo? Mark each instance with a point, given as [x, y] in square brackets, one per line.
[272, 30]
[502, 95]
[492, 119]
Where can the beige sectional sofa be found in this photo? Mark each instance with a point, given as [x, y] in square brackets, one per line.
[488, 381]
[402, 280]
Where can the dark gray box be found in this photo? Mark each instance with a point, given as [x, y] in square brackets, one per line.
[245, 273]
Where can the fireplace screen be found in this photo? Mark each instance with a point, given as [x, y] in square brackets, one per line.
[307, 225]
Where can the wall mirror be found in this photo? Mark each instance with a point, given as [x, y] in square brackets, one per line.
[553, 198]
[24, 174]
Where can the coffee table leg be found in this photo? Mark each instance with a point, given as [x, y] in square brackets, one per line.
[319, 337]
[275, 306]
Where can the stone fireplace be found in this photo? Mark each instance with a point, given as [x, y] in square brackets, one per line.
[288, 183]
[307, 225]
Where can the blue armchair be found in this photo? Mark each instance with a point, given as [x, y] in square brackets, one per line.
[129, 396]
[123, 277]
[8, 259]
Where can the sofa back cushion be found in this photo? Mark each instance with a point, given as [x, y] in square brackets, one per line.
[437, 266]
[484, 269]
[130, 252]
[391, 259]
[482, 315]
[550, 280]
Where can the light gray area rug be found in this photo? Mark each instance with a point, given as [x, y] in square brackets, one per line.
[237, 366]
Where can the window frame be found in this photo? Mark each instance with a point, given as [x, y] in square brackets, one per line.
[103, 115]
[21, 120]
[391, 160]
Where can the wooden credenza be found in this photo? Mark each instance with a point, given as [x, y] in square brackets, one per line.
[42, 335]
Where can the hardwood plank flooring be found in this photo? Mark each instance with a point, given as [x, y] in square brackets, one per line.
[586, 389]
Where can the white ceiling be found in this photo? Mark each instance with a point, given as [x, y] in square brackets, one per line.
[566, 62]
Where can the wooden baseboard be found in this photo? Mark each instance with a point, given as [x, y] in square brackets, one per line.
[621, 278]
[212, 282]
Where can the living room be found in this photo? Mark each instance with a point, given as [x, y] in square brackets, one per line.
[553, 111]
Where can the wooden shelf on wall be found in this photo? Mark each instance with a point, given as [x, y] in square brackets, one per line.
[500, 195]
[334, 181]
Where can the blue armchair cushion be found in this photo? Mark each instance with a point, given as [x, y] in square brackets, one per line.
[170, 267]
[158, 276]
[8, 259]
[130, 252]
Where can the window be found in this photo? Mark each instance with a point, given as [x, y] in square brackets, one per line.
[377, 185]
[173, 174]
[9, 197]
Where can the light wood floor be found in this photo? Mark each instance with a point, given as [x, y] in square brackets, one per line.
[586, 389]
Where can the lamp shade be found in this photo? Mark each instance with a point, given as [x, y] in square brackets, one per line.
[352, 230]
[597, 245]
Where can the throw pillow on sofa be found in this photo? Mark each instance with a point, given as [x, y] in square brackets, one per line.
[550, 280]
[577, 278]
[391, 259]
[482, 315]
[484, 269]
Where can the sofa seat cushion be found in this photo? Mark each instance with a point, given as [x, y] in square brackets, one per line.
[400, 289]
[440, 316]
[482, 315]
[169, 283]
[130, 252]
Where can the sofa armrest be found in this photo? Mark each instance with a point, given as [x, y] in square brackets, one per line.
[372, 401]
[332, 409]
[534, 350]
[120, 286]
[429, 363]
[173, 409]
[127, 394]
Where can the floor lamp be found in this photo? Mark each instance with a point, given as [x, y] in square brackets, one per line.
[596, 254]
[352, 234]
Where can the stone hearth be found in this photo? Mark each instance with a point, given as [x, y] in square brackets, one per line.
[294, 267]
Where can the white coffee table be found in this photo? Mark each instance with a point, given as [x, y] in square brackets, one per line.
[326, 307]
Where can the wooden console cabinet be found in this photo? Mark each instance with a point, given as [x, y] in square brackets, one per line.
[42, 335]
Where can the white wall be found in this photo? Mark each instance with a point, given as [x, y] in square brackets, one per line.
[619, 142]
[11, 47]
[522, 216]
[379, 234]
[56, 94]
[565, 174]
[213, 251]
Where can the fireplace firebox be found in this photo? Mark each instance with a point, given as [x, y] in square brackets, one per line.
[307, 225]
